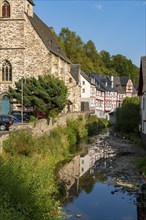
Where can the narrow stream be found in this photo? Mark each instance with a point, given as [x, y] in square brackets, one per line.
[101, 204]
[103, 182]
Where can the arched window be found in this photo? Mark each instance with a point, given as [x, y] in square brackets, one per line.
[7, 71]
[5, 9]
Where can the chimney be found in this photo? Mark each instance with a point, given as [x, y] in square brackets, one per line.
[112, 82]
[52, 30]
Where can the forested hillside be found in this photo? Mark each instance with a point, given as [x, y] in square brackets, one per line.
[91, 60]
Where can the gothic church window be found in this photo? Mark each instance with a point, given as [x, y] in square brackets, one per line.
[5, 9]
[7, 71]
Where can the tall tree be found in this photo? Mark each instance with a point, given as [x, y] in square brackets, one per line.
[47, 94]
[119, 63]
[105, 58]
[73, 44]
[128, 116]
[90, 51]
[125, 67]
[92, 54]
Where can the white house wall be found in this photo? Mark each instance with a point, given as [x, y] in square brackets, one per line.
[85, 89]
[143, 115]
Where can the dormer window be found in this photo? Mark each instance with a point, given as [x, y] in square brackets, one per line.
[6, 9]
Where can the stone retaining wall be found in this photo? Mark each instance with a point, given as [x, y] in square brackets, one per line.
[41, 126]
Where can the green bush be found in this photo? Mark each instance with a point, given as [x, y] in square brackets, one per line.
[128, 116]
[76, 130]
[134, 137]
[95, 125]
[20, 142]
[142, 164]
[32, 118]
[27, 189]
[54, 144]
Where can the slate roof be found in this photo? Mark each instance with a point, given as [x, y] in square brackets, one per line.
[48, 38]
[75, 72]
[142, 76]
[31, 2]
[86, 76]
[124, 80]
[117, 85]
[103, 82]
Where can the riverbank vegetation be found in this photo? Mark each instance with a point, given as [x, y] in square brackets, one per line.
[128, 118]
[29, 187]
[142, 164]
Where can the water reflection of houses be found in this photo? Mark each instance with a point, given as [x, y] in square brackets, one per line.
[88, 160]
[79, 165]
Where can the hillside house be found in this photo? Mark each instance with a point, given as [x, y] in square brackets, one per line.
[113, 90]
[125, 88]
[88, 93]
[100, 102]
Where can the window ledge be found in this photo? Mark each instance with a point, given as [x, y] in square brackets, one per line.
[5, 82]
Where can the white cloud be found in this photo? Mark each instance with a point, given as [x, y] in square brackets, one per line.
[98, 6]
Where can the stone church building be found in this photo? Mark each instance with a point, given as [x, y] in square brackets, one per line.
[28, 48]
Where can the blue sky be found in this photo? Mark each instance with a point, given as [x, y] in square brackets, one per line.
[118, 27]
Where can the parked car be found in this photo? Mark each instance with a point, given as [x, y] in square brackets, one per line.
[5, 122]
[27, 113]
[15, 120]
[36, 114]
[40, 115]
[19, 117]
[15, 112]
